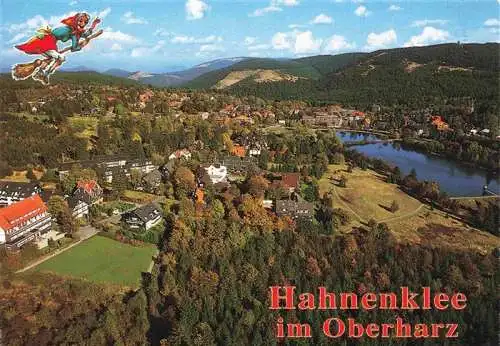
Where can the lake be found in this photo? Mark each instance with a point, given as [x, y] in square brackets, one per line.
[454, 178]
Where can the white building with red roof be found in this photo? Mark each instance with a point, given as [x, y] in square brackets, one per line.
[23, 222]
[179, 154]
[88, 191]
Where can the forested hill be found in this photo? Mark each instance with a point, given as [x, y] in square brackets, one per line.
[307, 68]
[388, 77]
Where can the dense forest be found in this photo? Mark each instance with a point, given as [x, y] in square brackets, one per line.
[42, 309]
[211, 286]
[412, 77]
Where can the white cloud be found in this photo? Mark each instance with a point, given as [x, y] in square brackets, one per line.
[262, 11]
[381, 40]
[38, 21]
[129, 18]
[258, 47]
[322, 19]
[162, 33]
[296, 42]
[288, 2]
[274, 6]
[116, 47]
[306, 43]
[394, 8]
[182, 39]
[362, 11]
[426, 22]
[73, 3]
[492, 21]
[249, 40]
[104, 13]
[16, 38]
[428, 35]
[338, 43]
[118, 36]
[281, 41]
[195, 9]
[296, 26]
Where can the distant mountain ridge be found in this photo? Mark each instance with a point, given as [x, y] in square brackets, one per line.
[79, 68]
[175, 78]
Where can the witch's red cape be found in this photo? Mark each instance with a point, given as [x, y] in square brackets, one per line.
[39, 45]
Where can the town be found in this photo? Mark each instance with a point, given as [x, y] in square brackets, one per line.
[79, 187]
[130, 186]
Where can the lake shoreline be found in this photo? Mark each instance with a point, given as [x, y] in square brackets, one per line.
[456, 178]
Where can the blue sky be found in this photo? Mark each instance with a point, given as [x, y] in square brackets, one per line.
[158, 36]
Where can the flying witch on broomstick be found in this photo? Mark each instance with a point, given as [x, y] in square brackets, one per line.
[45, 44]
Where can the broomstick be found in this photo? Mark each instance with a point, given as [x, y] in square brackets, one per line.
[24, 71]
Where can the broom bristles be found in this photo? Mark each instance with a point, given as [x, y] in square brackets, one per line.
[24, 71]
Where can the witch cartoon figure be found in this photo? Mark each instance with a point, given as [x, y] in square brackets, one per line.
[45, 44]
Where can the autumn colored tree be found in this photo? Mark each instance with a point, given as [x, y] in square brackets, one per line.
[257, 186]
[184, 182]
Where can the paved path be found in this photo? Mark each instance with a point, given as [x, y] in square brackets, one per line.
[85, 233]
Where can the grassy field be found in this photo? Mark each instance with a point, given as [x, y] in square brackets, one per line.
[20, 176]
[102, 260]
[138, 196]
[367, 196]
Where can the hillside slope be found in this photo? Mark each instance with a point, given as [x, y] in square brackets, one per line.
[396, 76]
[295, 68]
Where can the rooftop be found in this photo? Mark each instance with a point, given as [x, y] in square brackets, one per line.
[20, 212]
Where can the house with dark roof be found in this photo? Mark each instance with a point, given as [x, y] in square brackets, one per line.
[142, 218]
[11, 192]
[295, 209]
[167, 170]
[79, 208]
[23, 222]
[236, 164]
[152, 180]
